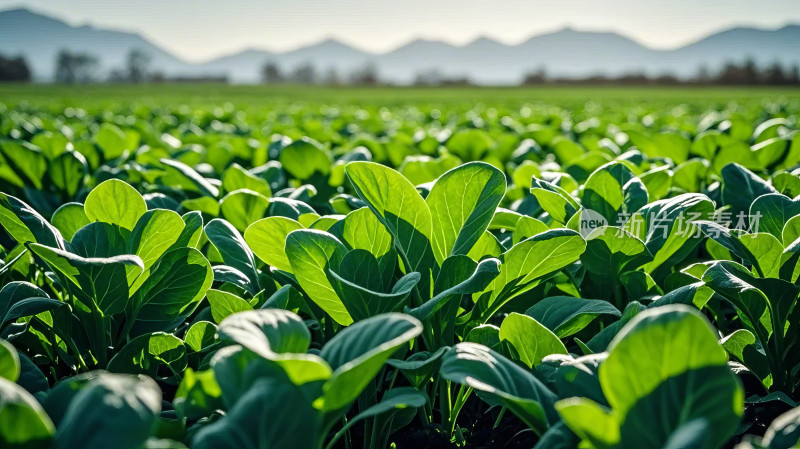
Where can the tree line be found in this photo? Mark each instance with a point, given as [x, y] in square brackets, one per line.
[76, 67]
[747, 73]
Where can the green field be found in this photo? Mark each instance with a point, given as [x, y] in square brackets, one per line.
[244, 95]
[283, 267]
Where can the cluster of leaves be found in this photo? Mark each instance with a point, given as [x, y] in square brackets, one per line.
[177, 278]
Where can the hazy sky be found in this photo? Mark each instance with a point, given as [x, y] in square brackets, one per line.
[201, 29]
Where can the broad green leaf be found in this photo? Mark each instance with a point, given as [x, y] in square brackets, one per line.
[22, 299]
[23, 423]
[175, 287]
[267, 238]
[115, 202]
[592, 422]
[187, 178]
[501, 381]
[111, 140]
[358, 284]
[244, 207]
[69, 218]
[9, 362]
[224, 304]
[462, 203]
[357, 353]
[530, 339]
[566, 316]
[155, 232]
[233, 248]
[303, 157]
[771, 212]
[311, 253]
[67, 171]
[102, 281]
[656, 345]
[113, 410]
[532, 259]
[147, 353]
[237, 178]
[24, 224]
[396, 203]
[273, 413]
[279, 336]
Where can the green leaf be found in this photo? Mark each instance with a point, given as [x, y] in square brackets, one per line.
[69, 218]
[147, 353]
[611, 251]
[174, 289]
[279, 336]
[111, 140]
[664, 370]
[358, 284]
[23, 423]
[462, 203]
[237, 178]
[529, 261]
[557, 202]
[243, 207]
[103, 281]
[304, 157]
[396, 203]
[311, 253]
[484, 273]
[591, 421]
[501, 381]
[155, 232]
[741, 187]
[646, 345]
[187, 178]
[224, 304]
[233, 248]
[611, 189]
[273, 413]
[67, 171]
[24, 224]
[566, 316]
[531, 340]
[267, 238]
[200, 335]
[115, 202]
[198, 395]
[23, 299]
[357, 353]
[9, 362]
[772, 212]
[114, 410]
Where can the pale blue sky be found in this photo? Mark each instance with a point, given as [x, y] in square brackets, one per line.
[201, 29]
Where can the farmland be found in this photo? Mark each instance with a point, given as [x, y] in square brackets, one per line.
[213, 266]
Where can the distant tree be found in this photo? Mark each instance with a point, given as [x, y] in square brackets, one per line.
[305, 74]
[138, 66]
[773, 75]
[271, 73]
[703, 74]
[332, 77]
[74, 67]
[537, 77]
[430, 77]
[750, 72]
[14, 69]
[365, 76]
[794, 75]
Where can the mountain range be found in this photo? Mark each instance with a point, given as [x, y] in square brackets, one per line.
[567, 52]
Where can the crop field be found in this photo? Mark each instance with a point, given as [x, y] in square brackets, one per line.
[247, 267]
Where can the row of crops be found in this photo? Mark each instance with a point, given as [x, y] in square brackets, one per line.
[308, 276]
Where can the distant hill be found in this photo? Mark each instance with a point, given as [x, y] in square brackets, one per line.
[566, 52]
